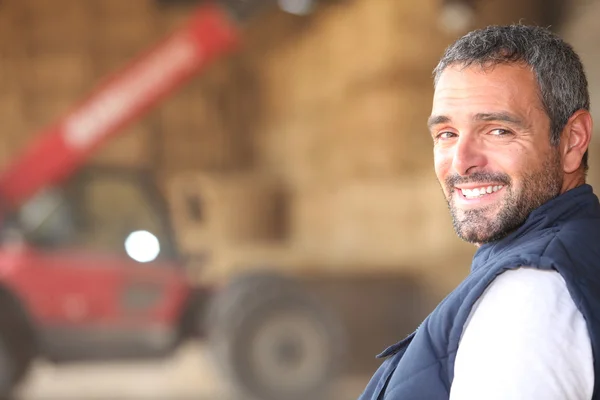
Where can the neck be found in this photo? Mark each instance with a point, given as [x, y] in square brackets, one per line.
[571, 181]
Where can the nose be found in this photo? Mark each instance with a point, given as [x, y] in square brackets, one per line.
[468, 155]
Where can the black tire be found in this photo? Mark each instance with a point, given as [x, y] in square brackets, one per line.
[273, 340]
[243, 285]
[23, 353]
[17, 348]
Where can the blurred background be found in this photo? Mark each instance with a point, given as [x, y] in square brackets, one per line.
[264, 230]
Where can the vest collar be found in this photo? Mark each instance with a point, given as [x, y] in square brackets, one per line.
[573, 204]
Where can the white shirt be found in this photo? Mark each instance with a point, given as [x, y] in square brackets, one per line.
[524, 339]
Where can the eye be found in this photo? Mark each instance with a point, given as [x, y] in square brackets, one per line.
[500, 132]
[445, 135]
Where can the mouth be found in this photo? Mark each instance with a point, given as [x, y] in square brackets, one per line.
[479, 192]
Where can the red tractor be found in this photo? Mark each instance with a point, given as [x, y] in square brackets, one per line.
[62, 301]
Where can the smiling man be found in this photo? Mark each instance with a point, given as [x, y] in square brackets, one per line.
[511, 126]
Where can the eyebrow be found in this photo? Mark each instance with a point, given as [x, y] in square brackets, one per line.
[499, 116]
[494, 116]
[436, 120]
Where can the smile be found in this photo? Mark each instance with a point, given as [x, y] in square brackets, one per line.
[480, 192]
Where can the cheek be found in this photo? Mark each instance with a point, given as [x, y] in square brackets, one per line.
[514, 163]
[442, 163]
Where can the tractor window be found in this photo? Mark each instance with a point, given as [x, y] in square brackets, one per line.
[113, 208]
[46, 220]
[96, 211]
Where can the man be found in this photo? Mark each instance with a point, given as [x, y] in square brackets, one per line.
[511, 126]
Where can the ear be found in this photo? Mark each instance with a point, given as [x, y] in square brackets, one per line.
[576, 139]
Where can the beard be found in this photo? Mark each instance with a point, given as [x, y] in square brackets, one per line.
[494, 222]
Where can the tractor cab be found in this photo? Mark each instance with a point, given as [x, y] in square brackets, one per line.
[95, 270]
[103, 210]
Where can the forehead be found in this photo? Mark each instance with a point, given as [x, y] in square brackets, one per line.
[504, 87]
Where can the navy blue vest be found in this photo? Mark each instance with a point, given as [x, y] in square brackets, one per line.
[563, 234]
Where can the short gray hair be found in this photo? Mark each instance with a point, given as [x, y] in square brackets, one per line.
[563, 86]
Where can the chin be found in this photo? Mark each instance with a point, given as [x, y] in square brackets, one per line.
[480, 236]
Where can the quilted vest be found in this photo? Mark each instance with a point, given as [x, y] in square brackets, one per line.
[563, 235]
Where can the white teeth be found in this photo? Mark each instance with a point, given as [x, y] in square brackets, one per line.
[478, 192]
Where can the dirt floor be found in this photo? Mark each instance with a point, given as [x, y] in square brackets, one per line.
[189, 374]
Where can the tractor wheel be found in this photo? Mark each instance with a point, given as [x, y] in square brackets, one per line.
[240, 287]
[17, 350]
[273, 340]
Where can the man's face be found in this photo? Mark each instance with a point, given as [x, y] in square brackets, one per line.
[492, 149]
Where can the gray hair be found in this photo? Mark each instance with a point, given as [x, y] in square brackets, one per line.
[563, 86]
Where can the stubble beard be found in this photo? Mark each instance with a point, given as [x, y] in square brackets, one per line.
[494, 222]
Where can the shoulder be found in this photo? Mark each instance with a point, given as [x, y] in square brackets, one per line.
[523, 333]
[538, 288]
[528, 300]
